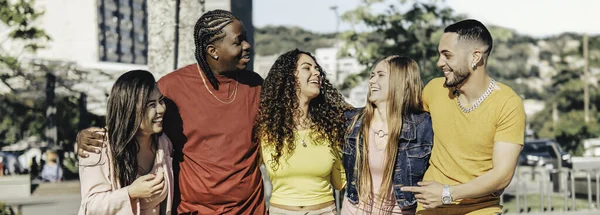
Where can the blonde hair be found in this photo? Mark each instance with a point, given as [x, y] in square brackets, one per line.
[51, 156]
[404, 97]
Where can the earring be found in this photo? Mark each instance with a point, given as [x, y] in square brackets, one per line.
[474, 66]
[216, 57]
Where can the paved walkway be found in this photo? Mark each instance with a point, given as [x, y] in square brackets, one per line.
[64, 199]
[49, 198]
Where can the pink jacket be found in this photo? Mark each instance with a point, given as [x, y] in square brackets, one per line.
[101, 192]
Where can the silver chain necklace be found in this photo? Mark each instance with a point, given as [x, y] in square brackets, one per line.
[480, 100]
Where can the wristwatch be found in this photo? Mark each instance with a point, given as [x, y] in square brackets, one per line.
[446, 197]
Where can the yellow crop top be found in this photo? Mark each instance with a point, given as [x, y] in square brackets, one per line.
[306, 177]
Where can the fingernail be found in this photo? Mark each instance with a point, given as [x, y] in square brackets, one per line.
[97, 151]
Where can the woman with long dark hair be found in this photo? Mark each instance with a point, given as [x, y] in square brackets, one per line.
[300, 128]
[212, 106]
[133, 173]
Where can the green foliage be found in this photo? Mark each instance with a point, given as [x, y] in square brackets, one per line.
[594, 48]
[569, 131]
[5, 209]
[566, 94]
[23, 110]
[271, 40]
[19, 16]
[515, 60]
[23, 117]
[413, 33]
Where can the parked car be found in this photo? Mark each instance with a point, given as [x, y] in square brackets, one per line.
[542, 153]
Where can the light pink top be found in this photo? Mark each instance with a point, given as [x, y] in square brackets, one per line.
[151, 206]
[101, 192]
[377, 165]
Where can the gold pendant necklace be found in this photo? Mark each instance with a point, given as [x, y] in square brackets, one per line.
[234, 94]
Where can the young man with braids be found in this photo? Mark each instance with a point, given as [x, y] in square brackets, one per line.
[479, 127]
[211, 109]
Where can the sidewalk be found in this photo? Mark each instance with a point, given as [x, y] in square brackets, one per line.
[49, 198]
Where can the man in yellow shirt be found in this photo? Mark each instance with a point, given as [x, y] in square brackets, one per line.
[478, 126]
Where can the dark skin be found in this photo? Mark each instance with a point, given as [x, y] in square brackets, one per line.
[231, 53]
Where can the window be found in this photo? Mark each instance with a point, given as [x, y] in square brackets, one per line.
[123, 31]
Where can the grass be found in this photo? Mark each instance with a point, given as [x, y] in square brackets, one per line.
[533, 203]
[5, 209]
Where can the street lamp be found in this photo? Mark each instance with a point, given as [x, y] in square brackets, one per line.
[337, 18]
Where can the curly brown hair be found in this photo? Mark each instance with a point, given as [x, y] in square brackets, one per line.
[279, 104]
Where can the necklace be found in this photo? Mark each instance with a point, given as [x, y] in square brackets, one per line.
[234, 94]
[381, 135]
[303, 138]
[480, 100]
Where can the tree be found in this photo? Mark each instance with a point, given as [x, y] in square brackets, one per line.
[414, 33]
[18, 18]
[565, 97]
[24, 107]
[21, 116]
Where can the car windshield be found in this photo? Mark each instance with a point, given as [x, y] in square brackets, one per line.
[541, 148]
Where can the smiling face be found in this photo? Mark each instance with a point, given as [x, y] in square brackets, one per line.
[309, 77]
[154, 111]
[379, 83]
[233, 50]
[453, 60]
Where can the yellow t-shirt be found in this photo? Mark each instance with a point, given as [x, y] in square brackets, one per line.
[306, 177]
[464, 142]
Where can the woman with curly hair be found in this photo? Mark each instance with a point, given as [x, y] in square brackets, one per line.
[300, 128]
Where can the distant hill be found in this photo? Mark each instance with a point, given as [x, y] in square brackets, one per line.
[270, 40]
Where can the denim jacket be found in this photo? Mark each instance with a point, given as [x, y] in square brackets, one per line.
[414, 150]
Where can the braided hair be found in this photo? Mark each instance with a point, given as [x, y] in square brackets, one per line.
[209, 29]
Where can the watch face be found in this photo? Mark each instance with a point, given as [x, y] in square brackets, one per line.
[446, 200]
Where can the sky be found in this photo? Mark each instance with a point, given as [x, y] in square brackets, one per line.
[538, 18]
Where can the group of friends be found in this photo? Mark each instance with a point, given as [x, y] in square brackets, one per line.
[193, 142]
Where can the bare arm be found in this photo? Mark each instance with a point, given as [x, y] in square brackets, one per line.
[504, 161]
[507, 146]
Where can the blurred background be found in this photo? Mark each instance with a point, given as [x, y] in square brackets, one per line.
[59, 59]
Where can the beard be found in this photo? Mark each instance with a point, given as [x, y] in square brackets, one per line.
[458, 77]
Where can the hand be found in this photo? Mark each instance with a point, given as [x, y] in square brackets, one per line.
[428, 194]
[88, 140]
[147, 185]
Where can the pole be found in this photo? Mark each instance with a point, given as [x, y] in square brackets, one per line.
[586, 91]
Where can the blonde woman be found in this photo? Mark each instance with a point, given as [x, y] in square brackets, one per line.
[388, 142]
